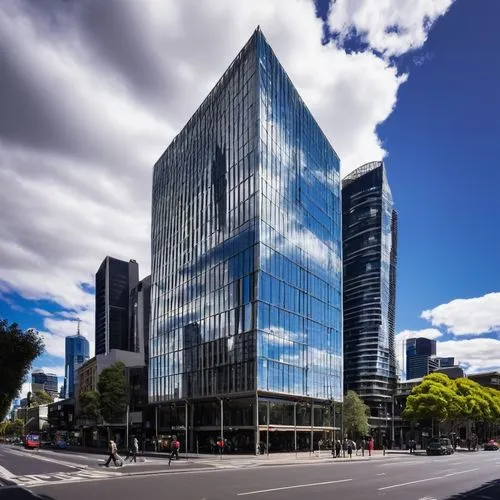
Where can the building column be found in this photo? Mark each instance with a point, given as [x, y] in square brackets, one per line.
[256, 420]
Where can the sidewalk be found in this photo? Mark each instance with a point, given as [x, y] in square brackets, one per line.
[233, 460]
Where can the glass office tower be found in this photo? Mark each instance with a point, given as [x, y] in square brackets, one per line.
[369, 225]
[114, 282]
[76, 353]
[246, 330]
[420, 353]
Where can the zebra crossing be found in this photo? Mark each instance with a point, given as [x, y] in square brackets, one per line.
[78, 476]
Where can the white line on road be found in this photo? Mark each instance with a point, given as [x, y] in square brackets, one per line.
[308, 485]
[457, 463]
[426, 480]
[381, 474]
[461, 472]
[47, 459]
[6, 474]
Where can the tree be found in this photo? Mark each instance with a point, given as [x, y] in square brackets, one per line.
[435, 398]
[112, 387]
[18, 350]
[41, 398]
[90, 404]
[355, 415]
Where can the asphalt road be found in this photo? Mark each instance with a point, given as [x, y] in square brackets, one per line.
[460, 476]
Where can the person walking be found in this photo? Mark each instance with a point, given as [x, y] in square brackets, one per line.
[112, 454]
[175, 449]
[338, 446]
[370, 446]
[349, 448]
[363, 446]
[133, 450]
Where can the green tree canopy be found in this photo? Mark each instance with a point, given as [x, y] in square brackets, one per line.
[41, 398]
[90, 404]
[355, 415]
[18, 349]
[434, 398]
[440, 398]
[112, 387]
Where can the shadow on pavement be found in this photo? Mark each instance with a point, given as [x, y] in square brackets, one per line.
[18, 493]
[485, 491]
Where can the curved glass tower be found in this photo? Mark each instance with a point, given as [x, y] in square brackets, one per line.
[369, 225]
[246, 273]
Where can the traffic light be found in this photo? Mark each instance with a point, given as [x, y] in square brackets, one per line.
[28, 397]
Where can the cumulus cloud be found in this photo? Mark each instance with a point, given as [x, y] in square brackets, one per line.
[92, 92]
[391, 27]
[403, 336]
[473, 316]
[476, 355]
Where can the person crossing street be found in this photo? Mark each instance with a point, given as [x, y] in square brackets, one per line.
[175, 445]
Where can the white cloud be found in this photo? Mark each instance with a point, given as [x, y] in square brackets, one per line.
[389, 26]
[476, 355]
[92, 93]
[42, 312]
[403, 336]
[473, 316]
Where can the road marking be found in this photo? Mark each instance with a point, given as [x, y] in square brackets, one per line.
[409, 462]
[308, 485]
[461, 472]
[381, 474]
[36, 456]
[6, 474]
[457, 463]
[426, 480]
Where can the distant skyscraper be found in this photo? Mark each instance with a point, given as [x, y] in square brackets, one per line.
[76, 353]
[369, 225]
[140, 316]
[445, 362]
[41, 381]
[420, 359]
[115, 280]
[246, 262]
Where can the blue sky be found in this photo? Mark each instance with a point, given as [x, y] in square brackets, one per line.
[76, 155]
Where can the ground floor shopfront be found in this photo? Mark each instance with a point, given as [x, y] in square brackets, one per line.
[247, 424]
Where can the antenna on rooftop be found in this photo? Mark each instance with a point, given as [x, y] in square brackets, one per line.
[78, 327]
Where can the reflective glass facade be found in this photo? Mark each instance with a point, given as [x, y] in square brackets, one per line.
[370, 254]
[76, 353]
[246, 251]
[419, 354]
[114, 282]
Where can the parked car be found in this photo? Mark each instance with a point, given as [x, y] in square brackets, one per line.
[32, 441]
[440, 446]
[491, 445]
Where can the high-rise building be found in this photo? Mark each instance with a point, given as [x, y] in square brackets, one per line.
[369, 236]
[246, 274]
[114, 282]
[76, 353]
[420, 357]
[41, 381]
[140, 316]
[445, 362]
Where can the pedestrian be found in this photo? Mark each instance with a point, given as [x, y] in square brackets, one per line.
[133, 450]
[370, 446]
[363, 446]
[337, 448]
[220, 445]
[349, 448]
[175, 445]
[112, 454]
[344, 447]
